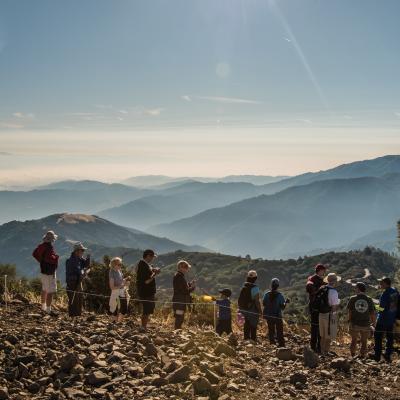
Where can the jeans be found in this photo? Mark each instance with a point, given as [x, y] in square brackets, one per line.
[380, 331]
[275, 331]
[250, 330]
[315, 341]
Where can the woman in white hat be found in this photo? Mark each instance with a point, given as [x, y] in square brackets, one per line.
[119, 293]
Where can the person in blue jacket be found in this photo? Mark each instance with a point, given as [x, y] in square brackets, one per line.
[274, 302]
[386, 319]
[76, 268]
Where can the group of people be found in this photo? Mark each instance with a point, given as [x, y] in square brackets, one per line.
[364, 320]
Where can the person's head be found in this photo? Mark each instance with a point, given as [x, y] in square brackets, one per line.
[360, 287]
[225, 293]
[320, 270]
[274, 284]
[385, 282]
[251, 276]
[116, 263]
[183, 266]
[149, 255]
[79, 249]
[332, 279]
[49, 237]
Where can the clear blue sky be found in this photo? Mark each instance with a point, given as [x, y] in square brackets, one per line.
[117, 88]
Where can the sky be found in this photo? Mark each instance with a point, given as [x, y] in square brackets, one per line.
[111, 89]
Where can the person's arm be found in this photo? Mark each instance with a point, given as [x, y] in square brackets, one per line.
[334, 301]
[150, 279]
[50, 257]
[258, 303]
[283, 302]
[111, 281]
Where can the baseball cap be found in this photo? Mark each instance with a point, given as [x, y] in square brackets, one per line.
[385, 279]
[275, 282]
[149, 252]
[319, 267]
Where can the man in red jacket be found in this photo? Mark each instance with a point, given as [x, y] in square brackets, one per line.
[48, 259]
[314, 282]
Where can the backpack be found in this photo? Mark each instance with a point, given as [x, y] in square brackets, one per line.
[321, 301]
[245, 301]
[398, 306]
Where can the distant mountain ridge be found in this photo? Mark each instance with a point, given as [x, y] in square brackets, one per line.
[321, 215]
[18, 239]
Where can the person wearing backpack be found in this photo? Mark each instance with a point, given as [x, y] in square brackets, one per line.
[388, 305]
[48, 259]
[274, 303]
[327, 302]
[314, 282]
[361, 316]
[250, 306]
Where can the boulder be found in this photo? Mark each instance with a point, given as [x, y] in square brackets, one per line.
[201, 385]
[253, 373]
[298, 377]
[223, 348]
[179, 375]
[151, 350]
[310, 358]
[212, 377]
[341, 364]
[285, 354]
[68, 362]
[97, 378]
[4, 393]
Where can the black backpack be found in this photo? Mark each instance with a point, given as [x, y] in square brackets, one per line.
[245, 301]
[398, 305]
[321, 301]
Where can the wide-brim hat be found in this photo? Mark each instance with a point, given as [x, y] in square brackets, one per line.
[50, 235]
[334, 277]
[79, 246]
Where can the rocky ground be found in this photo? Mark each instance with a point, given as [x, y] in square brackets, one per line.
[47, 357]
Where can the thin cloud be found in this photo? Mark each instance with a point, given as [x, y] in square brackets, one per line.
[23, 116]
[103, 106]
[153, 112]
[5, 153]
[224, 100]
[11, 125]
[186, 97]
[123, 111]
[304, 121]
[397, 114]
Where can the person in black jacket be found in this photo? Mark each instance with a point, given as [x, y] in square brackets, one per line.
[182, 290]
[146, 285]
[76, 268]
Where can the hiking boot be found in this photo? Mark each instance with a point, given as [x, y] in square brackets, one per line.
[387, 358]
[374, 357]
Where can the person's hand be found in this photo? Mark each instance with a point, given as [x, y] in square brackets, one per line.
[156, 271]
[287, 301]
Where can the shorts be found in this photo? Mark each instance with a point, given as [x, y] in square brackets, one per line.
[148, 305]
[328, 325]
[49, 283]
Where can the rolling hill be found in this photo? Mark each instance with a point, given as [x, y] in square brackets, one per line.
[320, 215]
[178, 202]
[18, 239]
[78, 196]
[377, 167]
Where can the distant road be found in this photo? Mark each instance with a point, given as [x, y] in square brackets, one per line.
[367, 274]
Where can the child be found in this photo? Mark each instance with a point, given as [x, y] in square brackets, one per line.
[223, 311]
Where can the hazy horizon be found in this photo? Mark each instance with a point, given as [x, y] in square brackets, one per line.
[108, 90]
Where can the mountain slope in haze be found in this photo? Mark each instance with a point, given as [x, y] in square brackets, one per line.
[18, 239]
[377, 167]
[84, 185]
[38, 203]
[324, 214]
[178, 202]
[162, 180]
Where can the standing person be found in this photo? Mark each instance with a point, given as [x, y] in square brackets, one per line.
[119, 292]
[314, 282]
[361, 316]
[328, 301]
[182, 289]
[45, 254]
[274, 302]
[146, 285]
[388, 303]
[224, 313]
[250, 306]
[76, 268]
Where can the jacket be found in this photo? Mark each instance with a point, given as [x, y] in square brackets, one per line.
[74, 270]
[47, 257]
[314, 282]
[182, 292]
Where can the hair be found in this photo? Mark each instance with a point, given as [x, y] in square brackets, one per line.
[251, 279]
[361, 288]
[114, 261]
[183, 262]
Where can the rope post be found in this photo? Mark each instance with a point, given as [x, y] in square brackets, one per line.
[5, 291]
